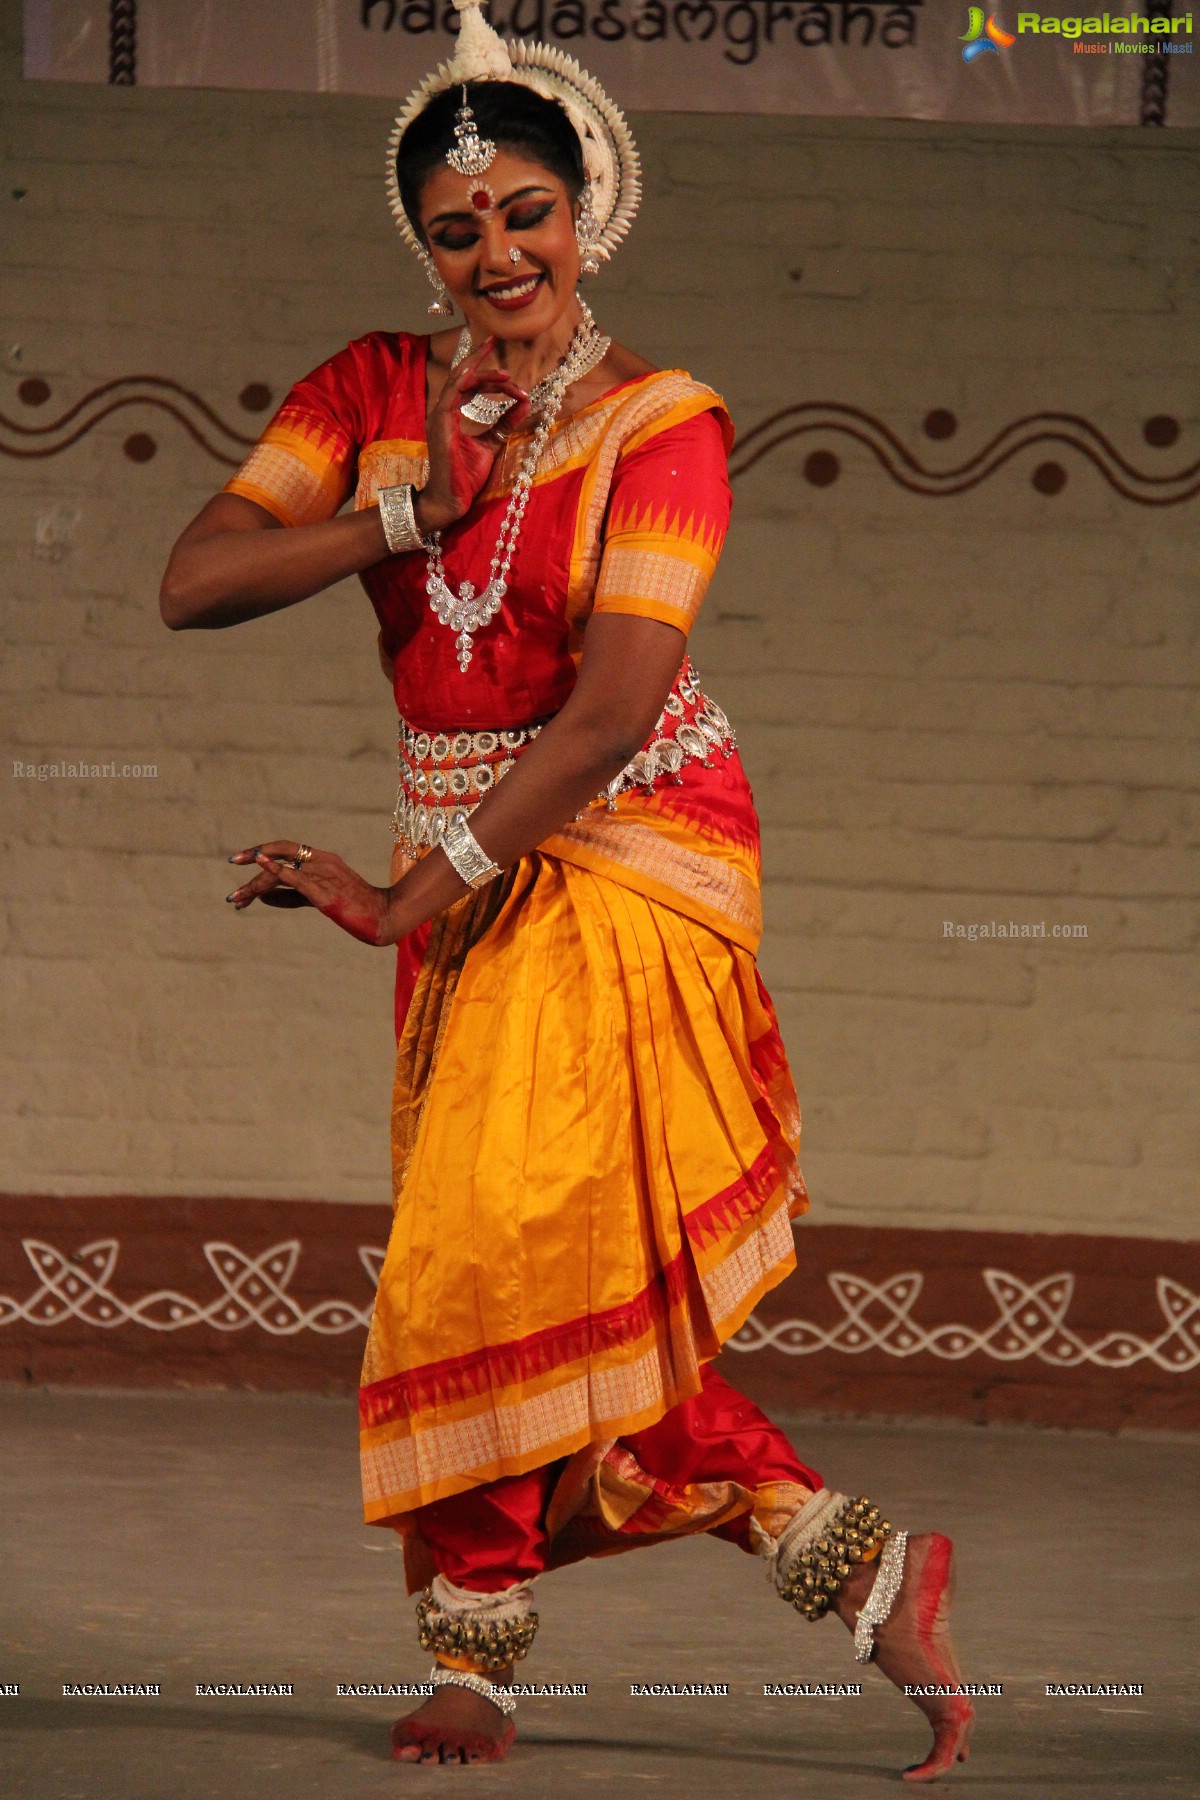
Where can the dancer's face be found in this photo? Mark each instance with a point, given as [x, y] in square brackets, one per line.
[470, 239]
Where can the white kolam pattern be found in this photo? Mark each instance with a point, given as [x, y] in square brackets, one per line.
[253, 1292]
[1031, 1322]
[1031, 1319]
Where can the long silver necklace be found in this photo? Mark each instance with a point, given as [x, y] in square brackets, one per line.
[467, 611]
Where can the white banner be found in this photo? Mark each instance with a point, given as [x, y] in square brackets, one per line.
[911, 59]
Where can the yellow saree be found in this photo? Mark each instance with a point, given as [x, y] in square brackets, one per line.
[594, 1126]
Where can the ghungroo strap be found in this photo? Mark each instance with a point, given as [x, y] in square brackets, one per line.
[491, 1630]
[819, 1547]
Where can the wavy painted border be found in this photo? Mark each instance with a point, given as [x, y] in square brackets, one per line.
[202, 423]
[831, 419]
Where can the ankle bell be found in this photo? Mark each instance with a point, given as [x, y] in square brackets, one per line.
[489, 1631]
[820, 1547]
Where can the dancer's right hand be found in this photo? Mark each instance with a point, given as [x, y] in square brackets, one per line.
[461, 459]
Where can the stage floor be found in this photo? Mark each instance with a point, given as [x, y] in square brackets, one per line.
[201, 1538]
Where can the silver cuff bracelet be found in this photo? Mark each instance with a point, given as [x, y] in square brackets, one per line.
[398, 516]
[471, 861]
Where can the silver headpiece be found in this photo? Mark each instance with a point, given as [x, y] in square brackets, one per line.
[611, 163]
[471, 154]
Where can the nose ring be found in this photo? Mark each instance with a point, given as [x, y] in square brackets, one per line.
[514, 255]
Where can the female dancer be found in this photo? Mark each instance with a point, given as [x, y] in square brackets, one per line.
[594, 1124]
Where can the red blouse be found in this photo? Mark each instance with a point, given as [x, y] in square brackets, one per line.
[628, 513]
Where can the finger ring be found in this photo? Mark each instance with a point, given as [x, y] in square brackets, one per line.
[486, 409]
[303, 854]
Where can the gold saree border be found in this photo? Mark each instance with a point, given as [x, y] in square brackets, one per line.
[402, 1470]
[701, 885]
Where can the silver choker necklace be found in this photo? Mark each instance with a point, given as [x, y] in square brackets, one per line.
[587, 348]
[466, 611]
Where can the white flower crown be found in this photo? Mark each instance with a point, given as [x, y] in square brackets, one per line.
[610, 159]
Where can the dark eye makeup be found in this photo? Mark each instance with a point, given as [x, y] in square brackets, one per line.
[524, 218]
[521, 218]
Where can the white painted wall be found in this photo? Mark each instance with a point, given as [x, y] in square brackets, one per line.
[966, 708]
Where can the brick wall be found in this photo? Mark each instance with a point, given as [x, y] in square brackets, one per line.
[963, 708]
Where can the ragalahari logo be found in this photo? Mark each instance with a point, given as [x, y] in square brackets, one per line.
[979, 37]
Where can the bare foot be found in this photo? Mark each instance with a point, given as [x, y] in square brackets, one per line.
[914, 1648]
[455, 1725]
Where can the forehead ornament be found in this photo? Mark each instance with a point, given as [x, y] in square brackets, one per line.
[471, 154]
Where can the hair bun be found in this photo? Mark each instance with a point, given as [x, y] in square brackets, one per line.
[480, 54]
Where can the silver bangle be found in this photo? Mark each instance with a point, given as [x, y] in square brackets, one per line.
[471, 861]
[478, 1684]
[397, 513]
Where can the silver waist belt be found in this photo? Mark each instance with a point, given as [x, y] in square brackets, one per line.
[444, 775]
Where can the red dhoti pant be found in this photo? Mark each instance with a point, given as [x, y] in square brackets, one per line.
[713, 1463]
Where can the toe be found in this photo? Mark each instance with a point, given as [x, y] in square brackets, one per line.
[949, 1746]
[929, 1770]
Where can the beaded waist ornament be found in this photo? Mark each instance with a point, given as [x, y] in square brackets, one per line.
[444, 775]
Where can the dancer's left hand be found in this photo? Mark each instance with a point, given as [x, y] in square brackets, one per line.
[323, 880]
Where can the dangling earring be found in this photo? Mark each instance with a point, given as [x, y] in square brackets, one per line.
[586, 233]
[441, 306]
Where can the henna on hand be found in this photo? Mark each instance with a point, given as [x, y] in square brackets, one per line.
[322, 881]
[460, 461]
